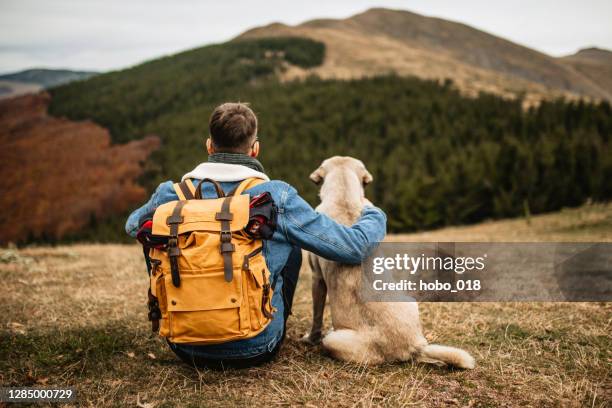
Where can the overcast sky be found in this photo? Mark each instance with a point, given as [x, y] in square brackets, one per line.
[110, 34]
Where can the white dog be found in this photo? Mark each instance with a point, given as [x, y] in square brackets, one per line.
[372, 332]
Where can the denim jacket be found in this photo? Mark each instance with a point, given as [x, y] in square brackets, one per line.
[298, 224]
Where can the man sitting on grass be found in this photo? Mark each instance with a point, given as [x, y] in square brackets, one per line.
[232, 150]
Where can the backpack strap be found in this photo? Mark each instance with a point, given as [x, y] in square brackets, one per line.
[227, 248]
[173, 249]
[185, 190]
[246, 184]
[218, 188]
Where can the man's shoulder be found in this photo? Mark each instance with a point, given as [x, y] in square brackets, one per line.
[281, 191]
[276, 185]
[165, 193]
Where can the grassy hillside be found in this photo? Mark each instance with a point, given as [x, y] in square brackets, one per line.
[437, 157]
[75, 316]
[160, 94]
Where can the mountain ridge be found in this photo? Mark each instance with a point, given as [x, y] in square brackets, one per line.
[381, 40]
[36, 79]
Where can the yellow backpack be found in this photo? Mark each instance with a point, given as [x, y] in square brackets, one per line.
[211, 284]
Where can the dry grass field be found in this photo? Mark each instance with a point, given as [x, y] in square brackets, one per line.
[76, 316]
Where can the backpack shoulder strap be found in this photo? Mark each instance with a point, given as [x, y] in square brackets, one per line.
[185, 190]
[246, 184]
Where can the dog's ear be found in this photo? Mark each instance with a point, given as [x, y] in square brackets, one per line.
[317, 176]
[366, 178]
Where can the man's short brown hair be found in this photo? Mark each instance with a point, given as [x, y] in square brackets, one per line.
[233, 127]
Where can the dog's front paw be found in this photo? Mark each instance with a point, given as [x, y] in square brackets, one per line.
[311, 339]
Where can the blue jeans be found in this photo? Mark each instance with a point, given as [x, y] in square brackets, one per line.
[290, 274]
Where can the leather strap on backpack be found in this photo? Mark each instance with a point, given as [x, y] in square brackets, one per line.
[218, 188]
[227, 248]
[185, 190]
[246, 184]
[173, 249]
[154, 312]
[225, 217]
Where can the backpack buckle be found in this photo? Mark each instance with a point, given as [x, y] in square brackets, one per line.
[174, 219]
[174, 251]
[227, 247]
[224, 216]
[226, 242]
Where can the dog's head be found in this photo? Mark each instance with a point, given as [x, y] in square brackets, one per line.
[343, 164]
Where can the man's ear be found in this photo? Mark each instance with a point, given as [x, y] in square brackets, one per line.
[209, 146]
[255, 150]
[317, 176]
[367, 178]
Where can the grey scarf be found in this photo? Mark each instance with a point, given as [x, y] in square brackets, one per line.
[237, 158]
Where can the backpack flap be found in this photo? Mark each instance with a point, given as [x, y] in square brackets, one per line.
[224, 215]
[200, 215]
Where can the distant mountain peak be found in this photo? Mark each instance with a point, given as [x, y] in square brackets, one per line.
[594, 49]
[593, 53]
[375, 11]
[47, 77]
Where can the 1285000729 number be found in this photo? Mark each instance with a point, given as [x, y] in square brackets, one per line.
[31, 394]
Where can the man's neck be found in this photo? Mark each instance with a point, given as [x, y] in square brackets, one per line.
[237, 158]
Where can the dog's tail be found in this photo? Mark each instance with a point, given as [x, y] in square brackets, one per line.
[443, 355]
